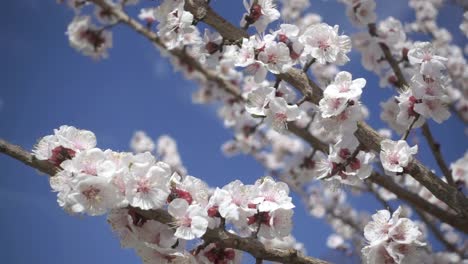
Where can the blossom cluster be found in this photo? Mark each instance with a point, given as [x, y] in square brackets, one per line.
[393, 239]
[94, 182]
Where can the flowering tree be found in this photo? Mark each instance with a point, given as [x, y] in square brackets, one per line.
[281, 92]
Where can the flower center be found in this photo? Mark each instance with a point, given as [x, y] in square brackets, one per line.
[143, 186]
[91, 193]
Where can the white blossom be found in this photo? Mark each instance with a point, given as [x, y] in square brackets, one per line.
[88, 39]
[424, 53]
[279, 113]
[147, 186]
[141, 142]
[191, 220]
[260, 13]
[323, 43]
[396, 155]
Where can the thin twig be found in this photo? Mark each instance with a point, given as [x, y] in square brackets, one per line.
[308, 64]
[435, 148]
[410, 127]
[402, 83]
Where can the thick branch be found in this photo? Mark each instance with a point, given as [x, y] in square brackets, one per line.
[218, 235]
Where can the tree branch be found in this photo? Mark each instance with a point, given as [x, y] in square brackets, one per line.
[416, 201]
[25, 157]
[435, 148]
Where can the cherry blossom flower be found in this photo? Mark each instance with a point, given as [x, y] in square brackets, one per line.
[361, 12]
[234, 207]
[391, 239]
[147, 187]
[258, 99]
[189, 188]
[464, 24]
[214, 253]
[323, 43]
[64, 144]
[332, 106]
[344, 86]
[431, 100]
[92, 162]
[276, 224]
[460, 171]
[168, 153]
[271, 195]
[104, 15]
[276, 57]
[289, 35]
[88, 39]
[406, 114]
[395, 156]
[93, 195]
[423, 53]
[260, 14]
[371, 52]
[340, 165]
[156, 235]
[279, 113]
[147, 15]
[292, 9]
[391, 32]
[191, 220]
[141, 142]
[390, 111]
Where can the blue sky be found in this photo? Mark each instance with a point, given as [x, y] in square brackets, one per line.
[45, 83]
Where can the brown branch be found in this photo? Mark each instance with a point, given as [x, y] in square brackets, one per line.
[20, 154]
[218, 235]
[435, 148]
